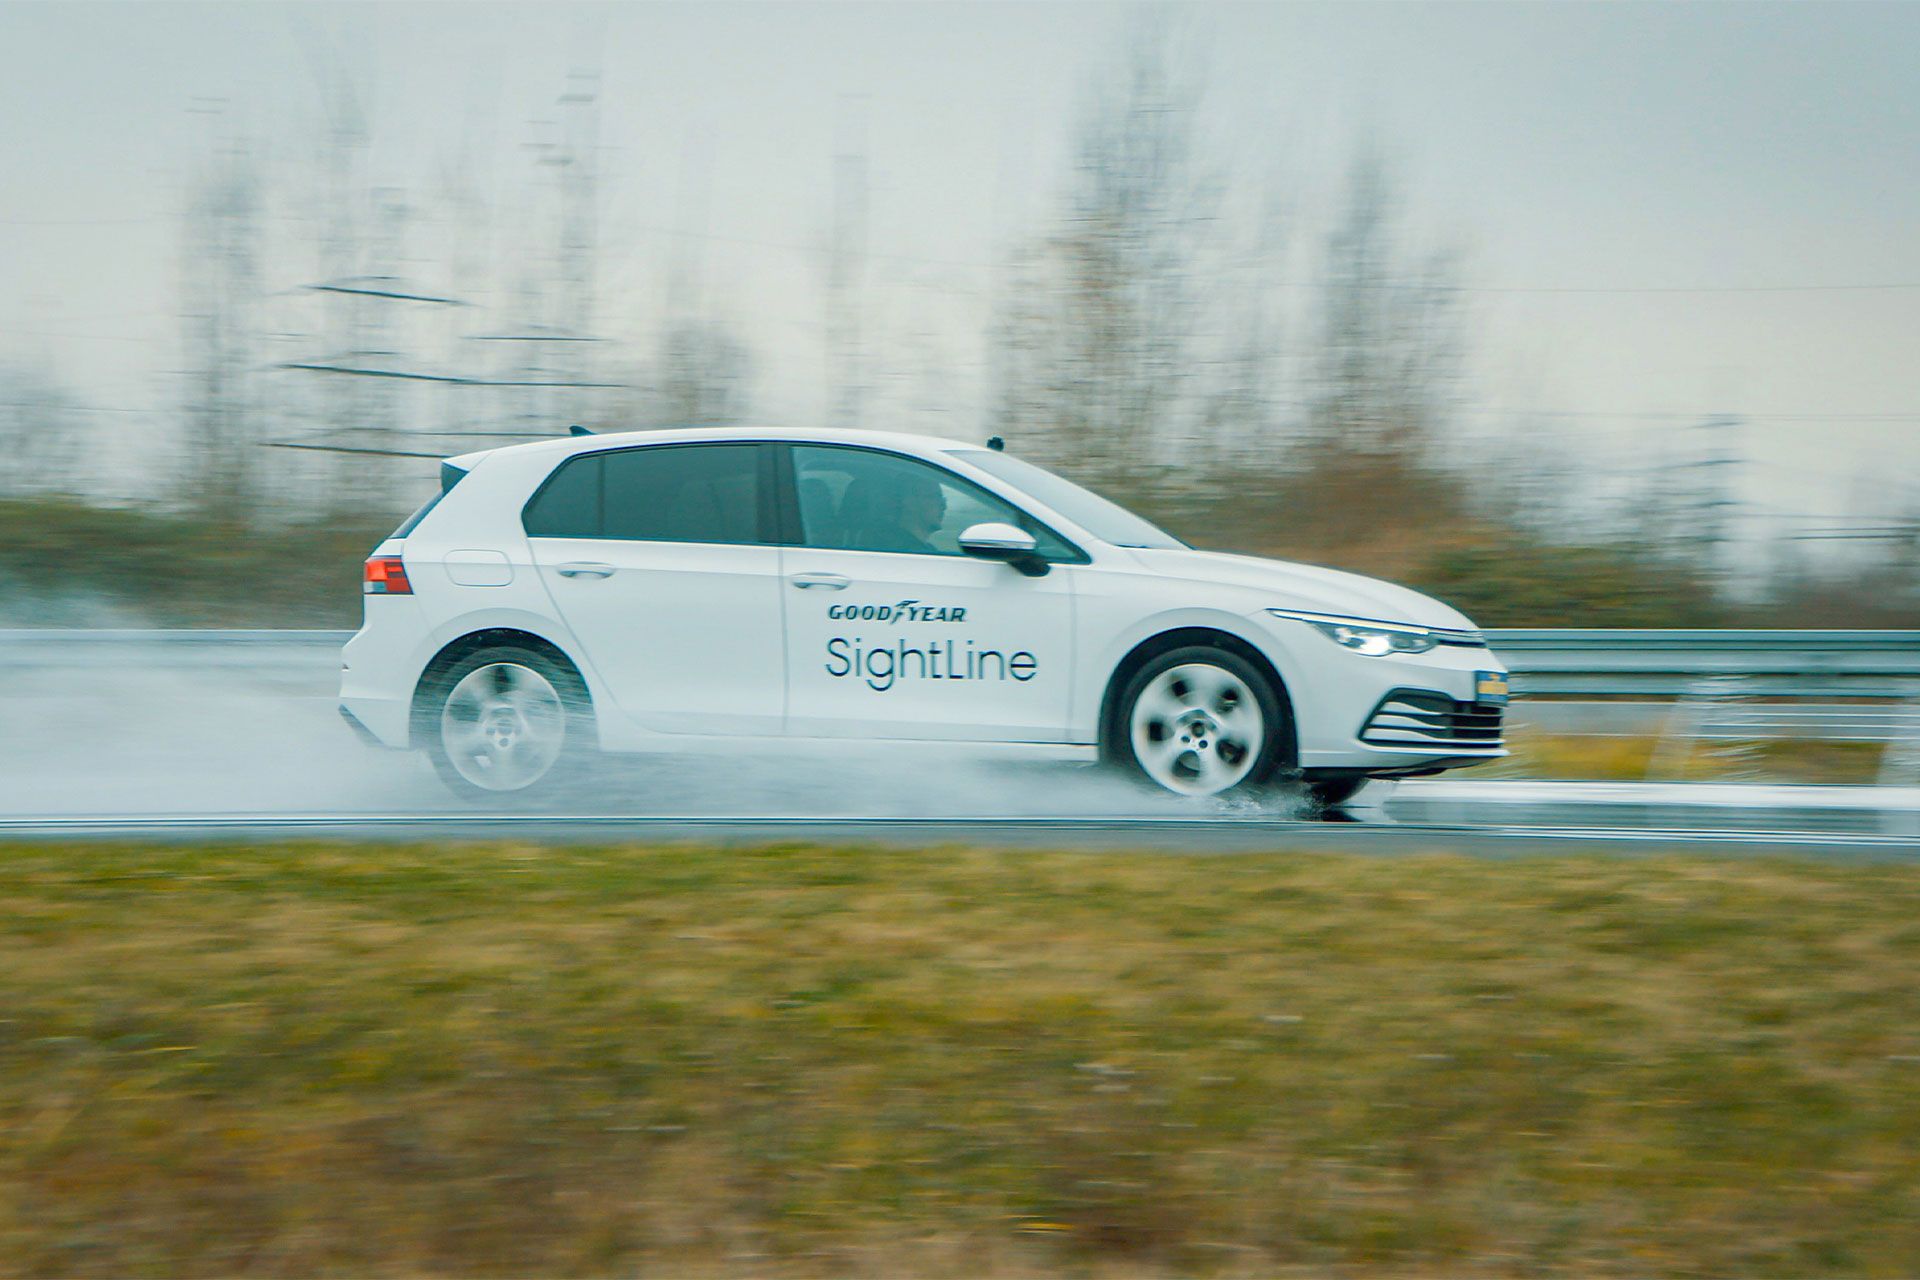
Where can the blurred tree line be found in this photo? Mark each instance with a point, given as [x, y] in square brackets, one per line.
[1251, 371]
[1255, 382]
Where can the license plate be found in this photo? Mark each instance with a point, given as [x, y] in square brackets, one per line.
[1489, 686]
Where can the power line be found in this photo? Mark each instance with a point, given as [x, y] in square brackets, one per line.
[1891, 533]
[530, 337]
[449, 379]
[341, 448]
[365, 290]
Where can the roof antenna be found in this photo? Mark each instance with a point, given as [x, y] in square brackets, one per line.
[996, 444]
[577, 430]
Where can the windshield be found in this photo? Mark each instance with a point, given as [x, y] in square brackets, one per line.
[1105, 520]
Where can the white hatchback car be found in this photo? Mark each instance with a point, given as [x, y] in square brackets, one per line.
[667, 591]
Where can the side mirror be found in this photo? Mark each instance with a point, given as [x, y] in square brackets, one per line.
[1006, 543]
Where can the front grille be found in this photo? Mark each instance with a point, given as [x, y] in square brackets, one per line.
[1416, 718]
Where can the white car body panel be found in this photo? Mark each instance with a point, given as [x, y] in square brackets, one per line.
[688, 646]
[1002, 670]
[686, 637]
[1305, 587]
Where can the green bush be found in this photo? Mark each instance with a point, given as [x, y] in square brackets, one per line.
[183, 570]
[1510, 582]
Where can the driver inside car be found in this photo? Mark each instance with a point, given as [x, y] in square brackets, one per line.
[899, 514]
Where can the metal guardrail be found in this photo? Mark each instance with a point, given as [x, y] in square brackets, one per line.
[52, 639]
[62, 647]
[1557, 663]
[1670, 664]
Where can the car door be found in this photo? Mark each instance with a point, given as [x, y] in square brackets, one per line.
[660, 559]
[894, 632]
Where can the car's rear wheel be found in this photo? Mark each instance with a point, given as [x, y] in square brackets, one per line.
[506, 722]
[1200, 721]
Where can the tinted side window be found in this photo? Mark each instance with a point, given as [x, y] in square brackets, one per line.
[862, 500]
[665, 493]
[568, 505]
[683, 493]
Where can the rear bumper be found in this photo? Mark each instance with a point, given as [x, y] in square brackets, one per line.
[381, 721]
[376, 689]
[360, 730]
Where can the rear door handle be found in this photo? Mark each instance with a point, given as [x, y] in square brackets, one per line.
[585, 569]
[827, 581]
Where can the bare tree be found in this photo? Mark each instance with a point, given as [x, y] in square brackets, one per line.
[1105, 340]
[699, 376]
[37, 426]
[1389, 337]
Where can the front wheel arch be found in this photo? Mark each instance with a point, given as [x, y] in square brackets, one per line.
[1113, 738]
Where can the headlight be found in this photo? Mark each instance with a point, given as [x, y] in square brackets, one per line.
[1375, 642]
[1374, 639]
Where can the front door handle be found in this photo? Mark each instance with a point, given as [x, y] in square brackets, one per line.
[827, 581]
[585, 569]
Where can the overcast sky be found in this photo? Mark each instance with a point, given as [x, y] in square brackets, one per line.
[1595, 161]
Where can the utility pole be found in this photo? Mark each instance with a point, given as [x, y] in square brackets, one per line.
[220, 278]
[1714, 503]
[385, 324]
[579, 213]
[389, 348]
[556, 358]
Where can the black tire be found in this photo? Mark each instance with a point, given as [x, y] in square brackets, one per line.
[1271, 754]
[1324, 794]
[568, 719]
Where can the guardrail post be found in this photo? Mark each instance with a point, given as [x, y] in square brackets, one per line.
[1900, 759]
[1714, 698]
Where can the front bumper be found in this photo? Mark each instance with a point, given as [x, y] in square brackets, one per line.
[1423, 718]
[1401, 713]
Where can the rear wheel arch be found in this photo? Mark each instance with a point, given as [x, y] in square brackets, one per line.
[455, 650]
[1113, 737]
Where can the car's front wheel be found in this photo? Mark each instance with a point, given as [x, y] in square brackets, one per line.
[1200, 721]
[506, 722]
[1323, 795]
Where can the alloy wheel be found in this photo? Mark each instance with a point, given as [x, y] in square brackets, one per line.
[1197, 729]
[503, 726]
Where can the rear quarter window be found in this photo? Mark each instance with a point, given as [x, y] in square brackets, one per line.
[709, 493]
[684, 493]
[568, 505]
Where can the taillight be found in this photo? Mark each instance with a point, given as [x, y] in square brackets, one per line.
[386, 576]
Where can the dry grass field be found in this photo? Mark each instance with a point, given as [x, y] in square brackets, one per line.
[1630, 758]
[501, 1060]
